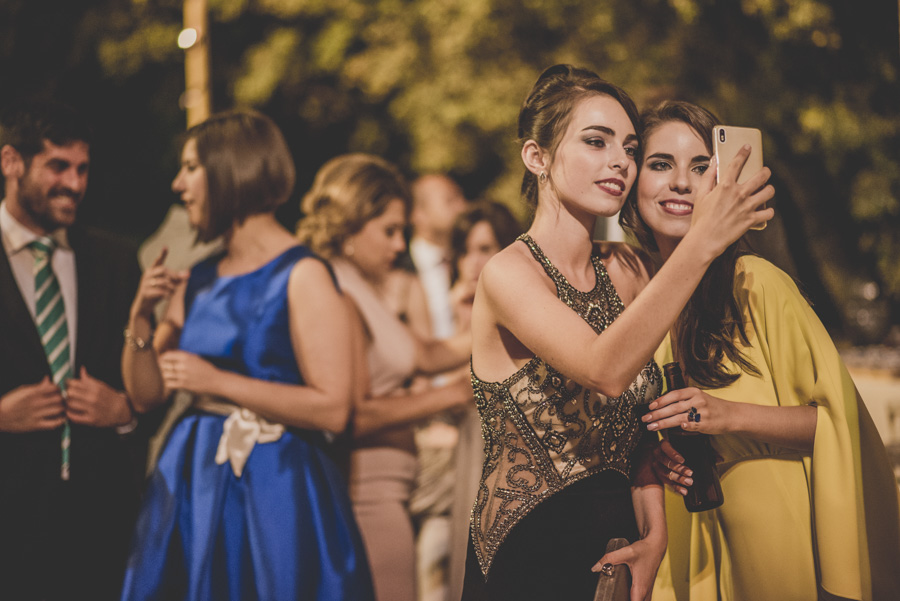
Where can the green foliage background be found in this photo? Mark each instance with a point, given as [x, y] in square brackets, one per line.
[435, 85]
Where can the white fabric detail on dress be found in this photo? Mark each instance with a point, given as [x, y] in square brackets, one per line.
[242, 431]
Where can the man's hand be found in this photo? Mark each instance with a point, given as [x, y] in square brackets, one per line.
[90, 402]
[32, 407]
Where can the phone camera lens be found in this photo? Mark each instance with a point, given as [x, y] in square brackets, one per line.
[722, 135]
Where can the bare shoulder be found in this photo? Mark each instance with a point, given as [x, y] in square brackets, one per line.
[511, 269]
[311, 276]
[629, 268]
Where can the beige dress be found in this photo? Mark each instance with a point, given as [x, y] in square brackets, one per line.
[382, 477]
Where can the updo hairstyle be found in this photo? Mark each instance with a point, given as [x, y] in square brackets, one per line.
[347, 192]
[547, 111]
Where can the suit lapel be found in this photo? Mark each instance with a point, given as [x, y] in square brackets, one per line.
[87, 309]
[14, 315]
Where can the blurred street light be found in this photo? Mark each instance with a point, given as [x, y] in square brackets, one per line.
[187, 38]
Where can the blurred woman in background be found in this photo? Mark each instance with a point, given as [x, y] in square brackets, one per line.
[356, 213]
[244, 502]
[478, 234]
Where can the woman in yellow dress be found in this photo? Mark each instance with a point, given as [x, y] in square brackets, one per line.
[811, 504]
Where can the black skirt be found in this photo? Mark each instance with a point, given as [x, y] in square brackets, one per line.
[548, 556]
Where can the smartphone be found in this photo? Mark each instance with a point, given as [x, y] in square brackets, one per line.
[727, 140]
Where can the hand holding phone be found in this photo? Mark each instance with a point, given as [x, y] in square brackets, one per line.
[727, 140]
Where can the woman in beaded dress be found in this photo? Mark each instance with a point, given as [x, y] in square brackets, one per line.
[564, 333]
[356, 212]
[245, 502]
[811, 508]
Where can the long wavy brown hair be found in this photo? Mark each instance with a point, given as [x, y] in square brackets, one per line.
[707, 331]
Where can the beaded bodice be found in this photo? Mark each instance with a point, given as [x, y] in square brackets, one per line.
[543, 431]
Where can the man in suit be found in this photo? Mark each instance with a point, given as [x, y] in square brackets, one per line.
[437, 202]
[70, 461]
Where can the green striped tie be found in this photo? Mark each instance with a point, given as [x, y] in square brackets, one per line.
[50, 318]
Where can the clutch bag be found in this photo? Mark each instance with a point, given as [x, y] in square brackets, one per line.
[614, 582]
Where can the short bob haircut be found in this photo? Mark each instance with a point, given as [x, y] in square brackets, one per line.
[348, 191]
[547, 111]
[249, 168]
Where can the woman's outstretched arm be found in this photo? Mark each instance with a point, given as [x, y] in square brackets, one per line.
[610, 361]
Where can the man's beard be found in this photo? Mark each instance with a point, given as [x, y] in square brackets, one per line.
[39, 206]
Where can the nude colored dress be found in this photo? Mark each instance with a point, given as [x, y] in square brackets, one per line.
[381, 478]
[791, 521]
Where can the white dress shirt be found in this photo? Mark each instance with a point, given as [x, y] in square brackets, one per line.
[434, 273]
[16, 238]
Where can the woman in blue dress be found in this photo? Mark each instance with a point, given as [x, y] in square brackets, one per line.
[245, 502]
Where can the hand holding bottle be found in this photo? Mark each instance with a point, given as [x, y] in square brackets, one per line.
[705, 492]
[672, 410]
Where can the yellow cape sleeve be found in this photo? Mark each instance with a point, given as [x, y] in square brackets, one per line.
[853, 492]
[689, 569]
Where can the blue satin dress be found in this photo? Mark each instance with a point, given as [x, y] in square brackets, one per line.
[282, 530]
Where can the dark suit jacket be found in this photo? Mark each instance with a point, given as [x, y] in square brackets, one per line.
[69, 540]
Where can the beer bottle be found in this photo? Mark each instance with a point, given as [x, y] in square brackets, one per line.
[696, 448]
